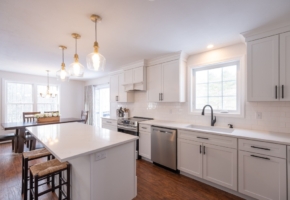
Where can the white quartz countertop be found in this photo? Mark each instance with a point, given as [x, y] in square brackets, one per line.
[279, 138]
[70, 140]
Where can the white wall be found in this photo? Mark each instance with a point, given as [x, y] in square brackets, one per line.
[71, 93]
[98, 81]
[275, 115]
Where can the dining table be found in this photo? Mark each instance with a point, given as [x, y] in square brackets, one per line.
[20, 128]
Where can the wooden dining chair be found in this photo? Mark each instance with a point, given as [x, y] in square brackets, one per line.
[85, 115]
[29, 117]
[8, 137]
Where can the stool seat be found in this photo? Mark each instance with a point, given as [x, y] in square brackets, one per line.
[36, 154]
[48, 167]
[8, 136]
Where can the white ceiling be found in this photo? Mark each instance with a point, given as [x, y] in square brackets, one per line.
[30, 31]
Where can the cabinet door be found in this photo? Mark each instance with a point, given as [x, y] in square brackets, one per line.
[154, 82]
[285, 66]
[110, 127]
[170, 85]
[138, 75]
[220, 165]
[145, 144]
[189, 157]
[114, 87]
[262, 177]
[128, 77]
[263, 69]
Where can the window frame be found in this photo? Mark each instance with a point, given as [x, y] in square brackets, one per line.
[34, 95]
[240, 87]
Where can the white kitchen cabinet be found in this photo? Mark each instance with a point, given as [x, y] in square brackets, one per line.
[117, 91]
[145, 144]
[285, 66]
[189, 157]
[262, 177]
[211, 162]
[110, 124]
[263, 69]
[166, 82]
[135, 79]
[220, 165]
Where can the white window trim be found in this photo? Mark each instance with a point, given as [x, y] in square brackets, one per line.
[34, 95]
[240, 87]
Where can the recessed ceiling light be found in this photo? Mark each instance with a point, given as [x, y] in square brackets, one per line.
[210, 46]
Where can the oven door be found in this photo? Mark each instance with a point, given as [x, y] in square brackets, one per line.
[130, 131]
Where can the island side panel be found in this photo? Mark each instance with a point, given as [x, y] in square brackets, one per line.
[113, 173]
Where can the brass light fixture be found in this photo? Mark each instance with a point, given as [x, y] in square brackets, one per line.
[96, 61]
[48, 93]
[76, 68]
[62, 74]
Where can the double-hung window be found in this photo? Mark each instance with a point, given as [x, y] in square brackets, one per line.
[218, 86]
[101, 103]
[25, 97]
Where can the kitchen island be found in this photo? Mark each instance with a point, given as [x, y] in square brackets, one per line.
[103, 161]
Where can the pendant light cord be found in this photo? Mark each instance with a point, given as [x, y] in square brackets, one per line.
[96, 30]
[62, 55]
[76, 45]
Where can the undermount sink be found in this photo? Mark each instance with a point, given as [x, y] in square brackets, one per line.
[210, 128]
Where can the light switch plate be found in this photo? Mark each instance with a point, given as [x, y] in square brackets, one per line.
[259, 115]
[100, 155]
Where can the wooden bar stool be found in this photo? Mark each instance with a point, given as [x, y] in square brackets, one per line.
[26, 157]
[41, 171]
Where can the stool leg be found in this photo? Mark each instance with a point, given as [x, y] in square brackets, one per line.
[22, 183]
[36, 187]
[12, 144]
[68, 182]
[53, 182]
[59, 190]
[31, 186]
[25, 178]
[47, 179]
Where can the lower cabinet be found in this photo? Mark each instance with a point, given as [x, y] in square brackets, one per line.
[262, 177]
[145, 144]
[110, 127]
[220, 166]
[210, 162]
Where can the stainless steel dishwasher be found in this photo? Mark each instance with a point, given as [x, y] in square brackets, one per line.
[164, 147]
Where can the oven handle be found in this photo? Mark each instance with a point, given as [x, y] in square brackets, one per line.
[126, 128]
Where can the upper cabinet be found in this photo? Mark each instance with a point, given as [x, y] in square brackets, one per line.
[135, 76]
[166, 80]
[268, 65]
[117, 91]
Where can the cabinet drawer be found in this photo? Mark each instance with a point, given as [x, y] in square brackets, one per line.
[265, 148]
[110, 127]
[208, 138]
[145, 127]
[109, 121]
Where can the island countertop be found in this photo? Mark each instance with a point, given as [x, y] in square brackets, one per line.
[72, 140]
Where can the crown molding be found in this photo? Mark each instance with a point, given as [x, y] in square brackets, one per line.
[264, 32]
[169, 57]
[140, 63]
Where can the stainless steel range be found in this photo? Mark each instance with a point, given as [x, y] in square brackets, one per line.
[131, 126]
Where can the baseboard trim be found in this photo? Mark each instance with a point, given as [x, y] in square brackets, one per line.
[217, 186]
[146, 159]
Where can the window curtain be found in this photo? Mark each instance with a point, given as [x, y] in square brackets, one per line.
[89, 103]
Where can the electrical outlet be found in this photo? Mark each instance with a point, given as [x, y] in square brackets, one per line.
[100, 155]
[258, 115]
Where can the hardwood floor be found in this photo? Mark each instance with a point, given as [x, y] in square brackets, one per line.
[154, 183]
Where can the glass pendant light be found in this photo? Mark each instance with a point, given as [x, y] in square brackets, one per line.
[96, 61]
[48, 94]
[62, 74]
[76, 68]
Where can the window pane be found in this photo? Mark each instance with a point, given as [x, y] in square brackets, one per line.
[230, 73]
[215, 102]
[14, 112]
[215, 75]
[201, 76]
[201, 102]
[229, 103]
[101, 104]
[215, 89]
[19, 93]
[42, 107]
[229, 88]
[201, 90]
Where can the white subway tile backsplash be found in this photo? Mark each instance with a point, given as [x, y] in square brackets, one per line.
[275, 115]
